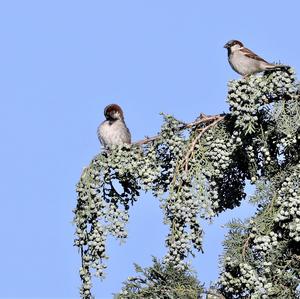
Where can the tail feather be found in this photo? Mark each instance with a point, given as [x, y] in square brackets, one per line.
[278, 67]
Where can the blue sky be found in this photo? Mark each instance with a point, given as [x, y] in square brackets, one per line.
[61, 63]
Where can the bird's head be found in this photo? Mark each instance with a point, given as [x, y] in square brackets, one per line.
[233, 45]
[113, 112]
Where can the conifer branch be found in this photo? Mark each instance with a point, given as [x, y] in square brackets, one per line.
[210, 120]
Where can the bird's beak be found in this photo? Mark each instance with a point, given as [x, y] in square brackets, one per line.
[226, 46]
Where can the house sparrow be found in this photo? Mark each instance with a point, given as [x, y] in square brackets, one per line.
[245, 62]
[113, 130]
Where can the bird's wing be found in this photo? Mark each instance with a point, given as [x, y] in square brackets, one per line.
[99, 134]
[128, 134]
[250, 54]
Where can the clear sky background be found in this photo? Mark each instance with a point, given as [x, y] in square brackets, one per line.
[61, 63]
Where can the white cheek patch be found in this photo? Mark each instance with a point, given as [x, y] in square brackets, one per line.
[236, 48]
[116, 115]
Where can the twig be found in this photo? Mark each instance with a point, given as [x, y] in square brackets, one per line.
[147, 140]
[216, 119]
[214, 293]
[245, 247]
[200, 120]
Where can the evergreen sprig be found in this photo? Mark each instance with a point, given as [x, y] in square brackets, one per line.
[200, 169]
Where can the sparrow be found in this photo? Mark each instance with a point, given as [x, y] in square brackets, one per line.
[113, 130]
[245, 62]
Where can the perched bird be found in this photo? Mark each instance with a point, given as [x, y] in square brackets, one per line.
[113, 130]
[245, 62]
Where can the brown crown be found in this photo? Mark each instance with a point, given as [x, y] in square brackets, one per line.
[232, 43]
[112, 108]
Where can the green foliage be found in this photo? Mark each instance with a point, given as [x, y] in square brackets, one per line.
[199, 170]
[162, 281]
[262, 256]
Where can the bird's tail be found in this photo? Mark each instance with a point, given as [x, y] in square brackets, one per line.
[278, 67]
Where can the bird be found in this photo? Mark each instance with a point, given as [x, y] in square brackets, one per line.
[113, 130]
[245, 62]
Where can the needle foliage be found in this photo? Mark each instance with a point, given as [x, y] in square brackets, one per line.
[199, 170]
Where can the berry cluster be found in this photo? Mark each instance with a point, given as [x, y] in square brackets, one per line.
[199, 171]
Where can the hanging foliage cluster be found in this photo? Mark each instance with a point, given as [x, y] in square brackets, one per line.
[161, 280]
[200, 169]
